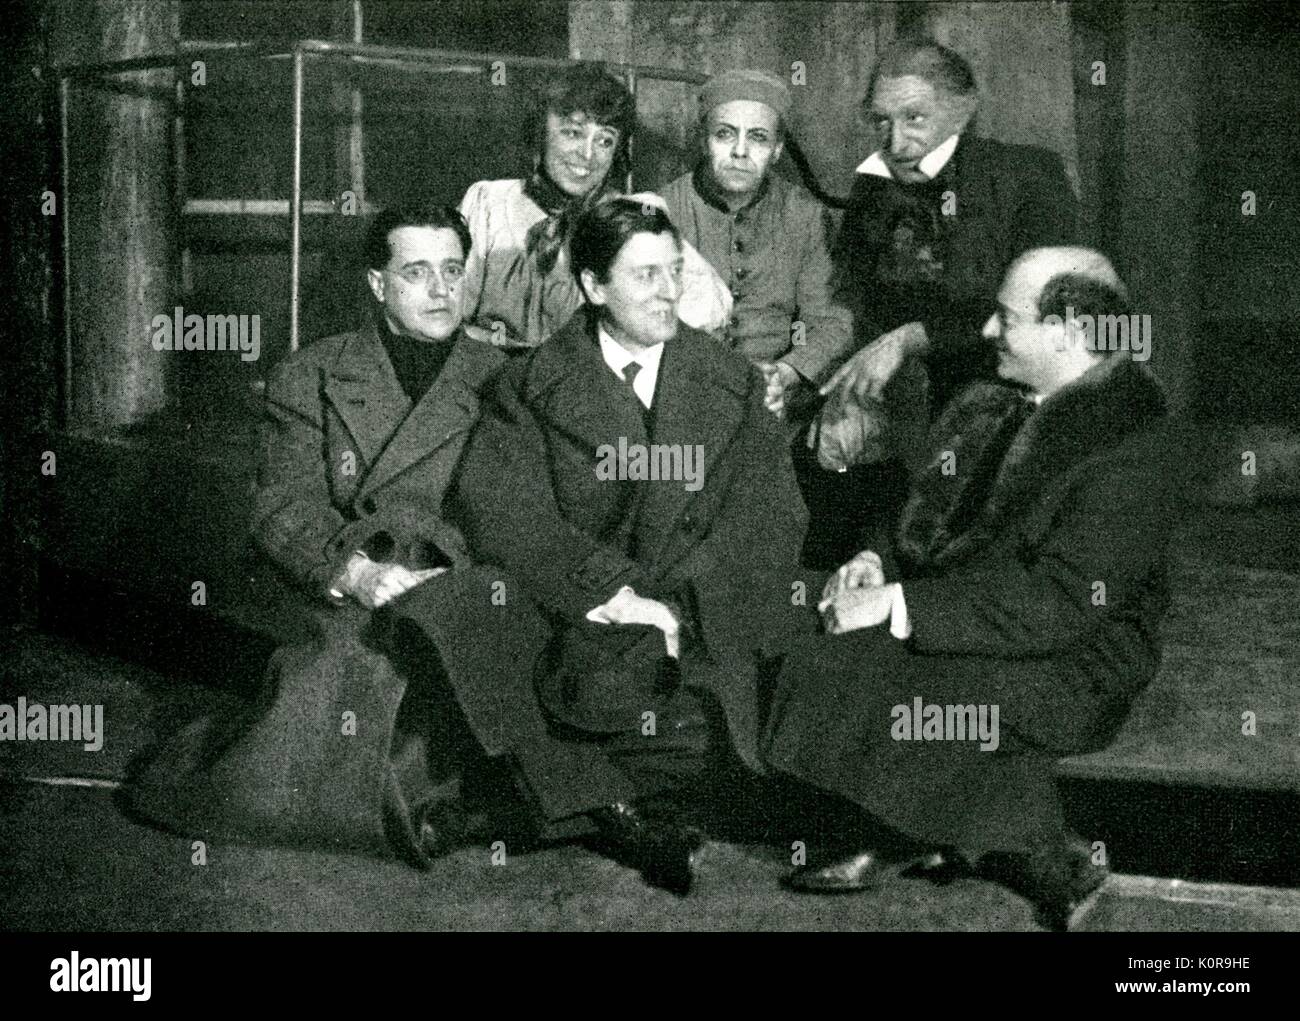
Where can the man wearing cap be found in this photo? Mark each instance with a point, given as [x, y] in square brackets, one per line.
[766, 237]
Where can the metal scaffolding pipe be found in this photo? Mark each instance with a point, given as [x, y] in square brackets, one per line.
[399, 56]
[152, 61]
[66, 244]
[407, 53]
[295, 201]
[631, 76]
[359, 51]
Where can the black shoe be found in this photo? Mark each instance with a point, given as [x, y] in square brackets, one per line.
[660, 848]
[853, 873]
[445, 826]
[1059, 877]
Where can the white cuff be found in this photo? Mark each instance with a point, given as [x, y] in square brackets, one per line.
[900, 625]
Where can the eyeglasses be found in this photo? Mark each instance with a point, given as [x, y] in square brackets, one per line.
[421, 273]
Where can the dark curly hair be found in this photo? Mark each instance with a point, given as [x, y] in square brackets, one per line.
[383, 223]
[592, 90]
[604, 229]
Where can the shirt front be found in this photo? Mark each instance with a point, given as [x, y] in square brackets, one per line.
[618, 359]
[774, 255]
[510, 302]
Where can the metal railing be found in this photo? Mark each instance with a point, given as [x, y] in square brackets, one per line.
[297, 52]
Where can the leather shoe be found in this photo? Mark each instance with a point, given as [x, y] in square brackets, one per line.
[1059, 877]
[659, 848]
[444, 826]
[864, 870]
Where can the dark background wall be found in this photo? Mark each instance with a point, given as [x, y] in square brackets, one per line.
[1197, 107]
[1193, 113]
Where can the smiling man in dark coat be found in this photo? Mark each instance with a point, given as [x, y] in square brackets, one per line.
[361, 436]
[1030, 561]
[936, 215]
[639, 506]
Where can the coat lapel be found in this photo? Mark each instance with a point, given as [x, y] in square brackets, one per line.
[582, 396]
[1013, 457]
[364, 391]
[695, 412]
[448, 408]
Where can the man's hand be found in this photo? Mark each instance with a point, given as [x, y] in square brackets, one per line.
[858, 608]
[863, 571]
[373, 583]
[865, 375]
[626, 607]
[781, 379]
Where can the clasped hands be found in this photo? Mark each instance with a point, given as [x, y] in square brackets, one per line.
[626, 607]
[856, 596]
[782, 380]
[372, 583]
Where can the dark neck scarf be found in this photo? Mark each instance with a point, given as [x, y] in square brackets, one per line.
[415, 362]
[546, 238]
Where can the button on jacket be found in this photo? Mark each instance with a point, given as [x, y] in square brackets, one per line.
[775, 256]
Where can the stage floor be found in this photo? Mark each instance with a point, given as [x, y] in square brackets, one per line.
[1200, 820]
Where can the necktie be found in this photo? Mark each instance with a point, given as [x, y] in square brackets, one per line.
[630, 371]
[629, 377]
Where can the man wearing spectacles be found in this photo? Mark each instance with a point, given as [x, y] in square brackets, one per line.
[361, 436]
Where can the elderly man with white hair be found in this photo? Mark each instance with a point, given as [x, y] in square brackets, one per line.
[1014, 619]
[936, 215]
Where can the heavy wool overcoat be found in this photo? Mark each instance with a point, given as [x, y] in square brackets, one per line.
[1035, 579]
[321, 755]
[563, 537]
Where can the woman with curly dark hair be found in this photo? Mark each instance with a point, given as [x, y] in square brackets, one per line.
[518, 288]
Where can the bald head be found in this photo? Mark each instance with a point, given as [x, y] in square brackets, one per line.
[1045, 295]
[1053, 272]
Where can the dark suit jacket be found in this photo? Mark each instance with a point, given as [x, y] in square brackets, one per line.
[1006, 610]
[533, 509]
[1008, 199]
[349, 465]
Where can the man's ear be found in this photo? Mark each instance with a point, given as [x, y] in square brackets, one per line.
[1060, 330]
[591, 287]
[702, 135]
[376, 281]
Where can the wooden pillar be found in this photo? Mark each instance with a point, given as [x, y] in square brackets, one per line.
[1021, 56]
[1160, 230]
[119, 211]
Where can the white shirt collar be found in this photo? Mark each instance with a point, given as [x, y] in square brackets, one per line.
[930, 164]
[618, 359]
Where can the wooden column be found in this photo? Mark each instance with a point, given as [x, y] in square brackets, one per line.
[1022, 57]
[122, 236]
[1162, 88]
